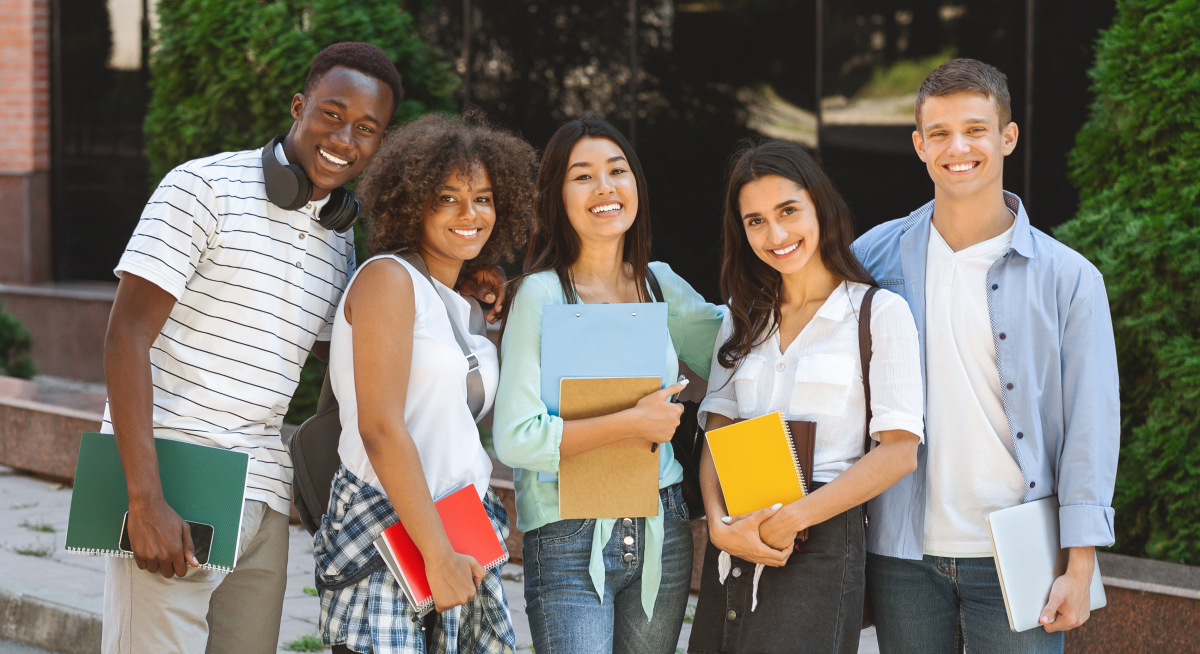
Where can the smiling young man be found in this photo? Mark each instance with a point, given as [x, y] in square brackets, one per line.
[1020, 373]
[222, 295]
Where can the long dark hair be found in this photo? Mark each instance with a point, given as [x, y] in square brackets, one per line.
[554, 243]
[750, 284]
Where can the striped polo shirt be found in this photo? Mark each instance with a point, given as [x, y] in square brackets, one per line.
[255, 287]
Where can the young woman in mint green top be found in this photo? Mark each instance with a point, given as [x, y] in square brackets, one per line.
[609, 585]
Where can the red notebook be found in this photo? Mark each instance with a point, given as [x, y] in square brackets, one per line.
[469, 531]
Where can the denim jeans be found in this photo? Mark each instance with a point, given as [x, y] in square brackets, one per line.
[941, 605]
[566, 616]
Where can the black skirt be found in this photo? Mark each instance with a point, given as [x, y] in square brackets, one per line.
[812, 605]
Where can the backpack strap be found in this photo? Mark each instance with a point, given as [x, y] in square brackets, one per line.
[864, 353]
[655, 289]
[475, 392]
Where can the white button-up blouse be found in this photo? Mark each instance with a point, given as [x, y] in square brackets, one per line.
[819, 377]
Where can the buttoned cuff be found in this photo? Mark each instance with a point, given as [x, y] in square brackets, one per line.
[1086, 525]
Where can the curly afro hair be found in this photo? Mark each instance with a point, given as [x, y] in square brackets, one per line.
[416, 158]
[362, 57]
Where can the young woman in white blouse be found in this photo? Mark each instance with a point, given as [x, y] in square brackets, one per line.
[443, 194]
[790, 343]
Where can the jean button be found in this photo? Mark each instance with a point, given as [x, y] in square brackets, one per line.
[628, 522]
[732, 615]
[737, 572]
[628, 557]
[629, 540]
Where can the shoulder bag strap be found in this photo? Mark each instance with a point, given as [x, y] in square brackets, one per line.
[655, 289]
[475, 393]
[864, 353]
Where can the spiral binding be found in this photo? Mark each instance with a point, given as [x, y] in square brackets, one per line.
[118, 554]
[787, 432]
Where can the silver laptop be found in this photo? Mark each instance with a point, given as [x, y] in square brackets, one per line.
[1028, 560]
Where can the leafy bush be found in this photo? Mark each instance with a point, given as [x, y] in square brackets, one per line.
[1137, 165]
[223, 71]
[15, 343]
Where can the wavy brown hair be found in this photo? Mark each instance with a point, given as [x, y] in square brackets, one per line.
[554, 243]
[750, 284]
[415, 160]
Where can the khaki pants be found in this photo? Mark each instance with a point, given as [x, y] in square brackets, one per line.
[205, 612]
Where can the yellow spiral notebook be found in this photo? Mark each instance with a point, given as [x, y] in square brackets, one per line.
[756, 463]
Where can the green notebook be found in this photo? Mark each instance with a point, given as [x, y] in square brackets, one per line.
[203, 484]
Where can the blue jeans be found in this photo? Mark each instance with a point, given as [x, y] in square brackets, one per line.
[942, 605]
[566, 616]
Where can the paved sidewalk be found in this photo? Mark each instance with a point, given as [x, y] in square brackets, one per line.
[53, 599]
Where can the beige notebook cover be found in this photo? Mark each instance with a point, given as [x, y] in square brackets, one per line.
[615, 481]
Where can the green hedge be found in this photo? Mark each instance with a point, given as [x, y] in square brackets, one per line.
[1137, 165]
[223, 71]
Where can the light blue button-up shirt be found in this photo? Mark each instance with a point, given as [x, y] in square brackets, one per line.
[1058, 377]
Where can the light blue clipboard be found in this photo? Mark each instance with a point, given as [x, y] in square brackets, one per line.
[601, 340]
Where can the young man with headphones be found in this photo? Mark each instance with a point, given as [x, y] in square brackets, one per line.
[231, 277]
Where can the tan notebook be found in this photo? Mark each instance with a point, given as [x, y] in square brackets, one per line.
[615, 481]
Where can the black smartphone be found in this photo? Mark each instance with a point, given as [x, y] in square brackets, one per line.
[202, 536]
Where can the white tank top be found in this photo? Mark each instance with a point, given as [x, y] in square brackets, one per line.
[435, 408]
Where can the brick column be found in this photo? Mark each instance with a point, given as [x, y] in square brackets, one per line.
[25, 141]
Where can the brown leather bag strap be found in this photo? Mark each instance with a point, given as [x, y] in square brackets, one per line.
[864, 352]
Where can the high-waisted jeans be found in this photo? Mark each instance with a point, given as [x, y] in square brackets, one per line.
[565, 614]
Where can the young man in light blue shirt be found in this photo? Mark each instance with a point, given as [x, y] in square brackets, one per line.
[1020, 372]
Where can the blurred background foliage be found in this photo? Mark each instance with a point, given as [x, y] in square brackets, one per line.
[1137, 165]
[223, 71]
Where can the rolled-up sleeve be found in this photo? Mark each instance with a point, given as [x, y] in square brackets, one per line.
[524, 434]
[1092, 409]
[897, 394]
[174, 232]
[721, 398]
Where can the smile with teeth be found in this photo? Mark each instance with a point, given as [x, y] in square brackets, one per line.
[332, 159]
[786, 250]
[962, 167]
[606, 207]
[471, 232]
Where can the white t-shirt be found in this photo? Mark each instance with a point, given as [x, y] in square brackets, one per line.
[435, 407]
[819, 377]
[255, 286]
[972, 463]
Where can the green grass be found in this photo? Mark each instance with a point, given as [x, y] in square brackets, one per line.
[690, 614]
[309, 590]
[39, 551]
[17, 507]
[903, 77]
[38, 526]
[305, 644]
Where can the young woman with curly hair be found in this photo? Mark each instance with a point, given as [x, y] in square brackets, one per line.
[444, 193]
[603, 586]
[790, 343]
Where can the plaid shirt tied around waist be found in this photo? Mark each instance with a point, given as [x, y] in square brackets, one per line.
[362, 605]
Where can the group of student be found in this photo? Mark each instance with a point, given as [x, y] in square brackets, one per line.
[993, 381]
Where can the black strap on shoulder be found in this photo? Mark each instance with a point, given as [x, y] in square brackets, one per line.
[864, 352]
[655, 289]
